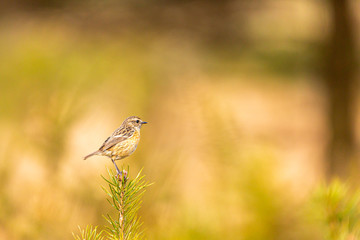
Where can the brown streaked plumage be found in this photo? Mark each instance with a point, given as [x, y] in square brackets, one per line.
[123, 142]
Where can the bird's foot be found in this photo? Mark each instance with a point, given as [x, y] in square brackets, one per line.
[125, 174]
[122, 174]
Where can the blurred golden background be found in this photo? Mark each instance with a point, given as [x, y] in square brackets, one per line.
[251, 106]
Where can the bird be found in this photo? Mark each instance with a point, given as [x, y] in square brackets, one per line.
[122, 143]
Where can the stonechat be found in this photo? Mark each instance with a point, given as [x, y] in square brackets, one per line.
[123, 142]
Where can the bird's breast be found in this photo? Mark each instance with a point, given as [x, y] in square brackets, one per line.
[126, 147]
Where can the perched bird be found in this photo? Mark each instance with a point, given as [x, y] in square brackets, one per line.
[123, 142]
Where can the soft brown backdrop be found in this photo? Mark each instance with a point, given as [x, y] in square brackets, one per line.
[250, 104]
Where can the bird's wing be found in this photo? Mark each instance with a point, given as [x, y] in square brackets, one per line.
[118, 136]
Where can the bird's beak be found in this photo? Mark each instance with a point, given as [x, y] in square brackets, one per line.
[143, 122]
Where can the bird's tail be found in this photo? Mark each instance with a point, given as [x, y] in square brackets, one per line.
[92, 154]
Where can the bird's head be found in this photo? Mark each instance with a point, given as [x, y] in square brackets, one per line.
[134, 121]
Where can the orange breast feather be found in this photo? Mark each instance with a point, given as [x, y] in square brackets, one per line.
[126, 147]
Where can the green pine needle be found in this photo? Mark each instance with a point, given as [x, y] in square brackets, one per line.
[89, 233]
[125, 196]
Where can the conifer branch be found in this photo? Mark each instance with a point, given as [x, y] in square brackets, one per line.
[125, 196]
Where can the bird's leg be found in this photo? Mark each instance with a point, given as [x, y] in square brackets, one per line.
[119, 173]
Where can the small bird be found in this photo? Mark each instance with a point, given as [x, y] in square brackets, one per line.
[122, 143]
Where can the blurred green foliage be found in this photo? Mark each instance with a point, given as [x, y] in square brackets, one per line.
[340, 209]
[89, 233]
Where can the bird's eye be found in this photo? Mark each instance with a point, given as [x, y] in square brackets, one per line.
[137, 121]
